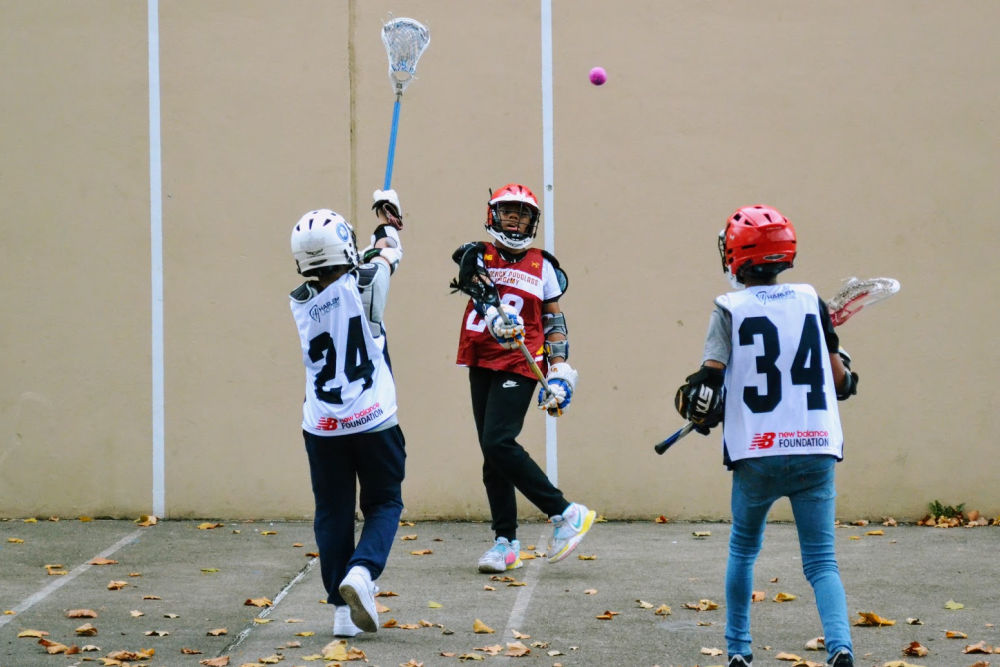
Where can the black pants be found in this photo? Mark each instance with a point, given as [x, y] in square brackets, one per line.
[337, 465]
[499, 402]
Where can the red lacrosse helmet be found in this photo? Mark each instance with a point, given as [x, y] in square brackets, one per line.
[757, 238]
[515, 193]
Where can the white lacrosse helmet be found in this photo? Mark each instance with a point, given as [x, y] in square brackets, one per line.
[323, 238]
[516, 193]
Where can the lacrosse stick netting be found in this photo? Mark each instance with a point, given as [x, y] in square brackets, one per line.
[405, 41]
[856, 294]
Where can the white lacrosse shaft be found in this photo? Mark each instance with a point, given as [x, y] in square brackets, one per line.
[405, 41]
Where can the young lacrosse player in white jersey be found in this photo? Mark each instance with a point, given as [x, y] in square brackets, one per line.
[502, 384]
[349, 414]
[772, 373]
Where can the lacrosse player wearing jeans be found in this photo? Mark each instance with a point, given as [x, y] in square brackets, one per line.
[349, 414]
[530, 283]
[772, 374]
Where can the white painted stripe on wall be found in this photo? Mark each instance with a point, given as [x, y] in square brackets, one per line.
[548, 215]
[156, 254]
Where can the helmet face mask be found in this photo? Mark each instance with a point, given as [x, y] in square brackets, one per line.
[321, 239]
[509, 203]
[757, 241]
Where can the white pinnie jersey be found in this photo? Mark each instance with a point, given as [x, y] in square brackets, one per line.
[780, 396]
[349, 386]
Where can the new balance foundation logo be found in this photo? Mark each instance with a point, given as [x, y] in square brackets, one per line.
[509, 384]
[762, 441]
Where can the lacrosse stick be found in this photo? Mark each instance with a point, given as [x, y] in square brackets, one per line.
[474, 280]
[405, 41]
[854, 295]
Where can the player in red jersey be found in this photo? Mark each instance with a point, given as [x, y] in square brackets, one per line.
[530, 283]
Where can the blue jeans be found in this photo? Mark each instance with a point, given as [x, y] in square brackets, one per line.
[808, 482]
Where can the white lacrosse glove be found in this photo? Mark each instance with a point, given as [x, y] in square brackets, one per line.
[387, 202]
[560, 383]
[508, 335]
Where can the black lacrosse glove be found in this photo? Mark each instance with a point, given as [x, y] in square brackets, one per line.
[851, 386]
[700, 399]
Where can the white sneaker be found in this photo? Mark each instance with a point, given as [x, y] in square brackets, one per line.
[502, 556]
[342, 625]
[568, 529]
[358, 592]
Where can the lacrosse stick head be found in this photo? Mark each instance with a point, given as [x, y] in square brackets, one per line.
[405, 41]
[855, 294]
[474, 279]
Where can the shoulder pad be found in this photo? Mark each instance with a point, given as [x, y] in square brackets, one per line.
[552, 258]
[302, 293]
[366, 275]
[464, 248]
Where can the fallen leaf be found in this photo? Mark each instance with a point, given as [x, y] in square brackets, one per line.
[914, 621]
[758, 596]
[81, 613]
[487, 587]
[587, 557]
[151, 597]
[607, 615]
[146, 520]
[190, 651]
[702, 533]
[407, 538]
[791, 657]
[305, 633]
[15, 540]
[470, 656]
[816, 644]
[663, 610]
[261, 621]
[271, 659]
[979, 647]
[481, 628]
[268, 532]
[955, 634]
[951, 604]
[102, 561]
[662, 519]
[915, 649]
[36, 634]
[643, 604]
[221, 661]
[421, 552]
[209, 526]
[435, 605]
[86, 630]
[875, 532]
[495, 649]
[54, 648]
[785, 597]
[156, 633]
[217, 632]
[516, 650]
[117, 585]
[519, 635]
[711, 651]
[135, 613]
[869, 619]
[257, 602]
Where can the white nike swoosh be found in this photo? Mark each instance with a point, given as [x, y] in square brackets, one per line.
[508, 384]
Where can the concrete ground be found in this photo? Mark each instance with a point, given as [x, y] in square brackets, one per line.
[187, 582]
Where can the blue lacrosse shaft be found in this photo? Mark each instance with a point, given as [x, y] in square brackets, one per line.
[392, 143]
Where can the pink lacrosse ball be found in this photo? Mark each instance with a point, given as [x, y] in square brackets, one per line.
[598, 76]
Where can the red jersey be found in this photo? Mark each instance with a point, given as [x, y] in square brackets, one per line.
[522, 286]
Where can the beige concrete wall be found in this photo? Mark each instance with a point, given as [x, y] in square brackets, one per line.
[871, 125]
